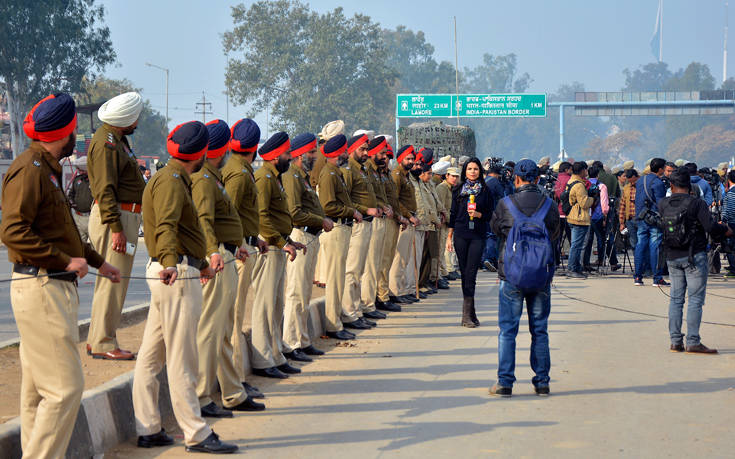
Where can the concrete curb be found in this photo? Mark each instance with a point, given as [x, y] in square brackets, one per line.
[106, 416]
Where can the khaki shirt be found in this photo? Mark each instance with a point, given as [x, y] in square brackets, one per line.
[376, 182]
[360, 190]
[333, 193]
[37, 226]
[444, 193]
[275, 220]
[303, 203]
[217, 216]
[404, 190]
[425, 205]
[239, 180]
[114, 174]
[390, 192]
[170, 220]
[316, 170]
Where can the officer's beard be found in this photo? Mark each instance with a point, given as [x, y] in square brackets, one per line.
[379, 162]
[308, 163]
[342, 160]
[416, 172]
[129, 130]
[198, 166]
[68, 148]
[282, 165]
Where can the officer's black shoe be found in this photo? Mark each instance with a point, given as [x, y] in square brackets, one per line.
[442, 284]
[286, 368]
[311, 350]
[271, 372]
[454, 275]
[369, 322]
[393, 299]
[389, 306]
[212, 445]
[375, 315]
[403, 299]
[343, 335]
[422, 295]
[298, 356]
[252, 391]
[211, 410]
[410, 298]
[157, 439]
[249, 405]
[358, 325]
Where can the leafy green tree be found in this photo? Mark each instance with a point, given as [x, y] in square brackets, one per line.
[497, 74]
[707, 147]
[48, 46]
[650, 77]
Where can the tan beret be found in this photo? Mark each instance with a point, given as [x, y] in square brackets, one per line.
[453, 171]
[332, 129]
[545, 161]
[680, 162]
[628, 165]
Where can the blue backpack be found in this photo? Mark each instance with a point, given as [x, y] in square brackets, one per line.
[529, 255]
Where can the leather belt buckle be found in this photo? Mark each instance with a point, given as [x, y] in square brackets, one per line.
[232, 248]
[252, 240]
[367, 218]
[52, 274]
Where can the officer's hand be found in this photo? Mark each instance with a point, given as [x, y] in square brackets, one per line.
[414, 221]
[168, 276]
[373, 212]
[216, 262]
[443, 217]
[357, 216]
[242, 253]
[79, 266]
[206, 274]
[450, 246]
[262, 246]
[119, 242]
[299, 246]
[327, 224]
[388, 212]
[109, 272]
[290, 249]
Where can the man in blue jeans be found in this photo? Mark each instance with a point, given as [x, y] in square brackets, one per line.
[649, 190]
[490, 254]
[528, 199]
[687, 262]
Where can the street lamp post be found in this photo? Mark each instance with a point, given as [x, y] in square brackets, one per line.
[165, 70]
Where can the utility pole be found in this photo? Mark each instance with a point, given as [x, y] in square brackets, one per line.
[456, 70]
[724, 50]
[204, 105]
[227, 113]
[165, 70]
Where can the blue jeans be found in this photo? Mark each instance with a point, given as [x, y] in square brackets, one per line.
[491, 248]
[694, 279]
[579, 232]
[648, 237]
[510, 308]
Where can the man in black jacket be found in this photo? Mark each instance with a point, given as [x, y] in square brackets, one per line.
[688, 266]
[528, 199]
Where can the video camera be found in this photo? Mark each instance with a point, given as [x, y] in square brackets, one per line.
[504, 172]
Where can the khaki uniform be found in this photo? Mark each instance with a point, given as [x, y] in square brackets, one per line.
[38, 230]
[363, 197]
[444, 194]
[369, 281]
[430, 261]
[337, 205]
[308, 216]
[115, 178]
[404, 247]
[391, 236]
[270, 270]
[239, 181]
[223, 234]
[173, 238]
[426, 213]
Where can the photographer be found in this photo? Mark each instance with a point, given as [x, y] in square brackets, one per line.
[578, 218]
[565, 173]
[700, 182]
[728, 216]
[686, 221]
[649, 191]
[598, 219]
[490, 254]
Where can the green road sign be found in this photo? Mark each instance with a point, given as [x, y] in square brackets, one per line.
[470, 105]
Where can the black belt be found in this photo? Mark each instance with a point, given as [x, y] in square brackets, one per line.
[344, 221]
[195, 263]
[310, 229]
[251, 240]
[367, 218]
[232, 248]
[53, 273]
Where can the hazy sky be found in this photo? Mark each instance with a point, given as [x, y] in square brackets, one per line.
[556, 41]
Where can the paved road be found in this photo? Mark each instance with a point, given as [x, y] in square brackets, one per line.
[137, 291]
[416, 386]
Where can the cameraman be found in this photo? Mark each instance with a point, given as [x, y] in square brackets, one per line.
[578, 217]
[700, 182]
[687, 221]
[565, 173]
[490, 254]
[649, 191]
[728, 216]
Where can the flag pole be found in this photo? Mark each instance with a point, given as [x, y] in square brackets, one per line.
[661, 35]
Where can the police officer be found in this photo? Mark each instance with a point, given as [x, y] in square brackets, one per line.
[177, 248]
[223, 235]
[270, 268]
[117, 186]
[49, 257]
[309, 221]
[239, 181]
[337, 205]
[80, 198]
[392, 225]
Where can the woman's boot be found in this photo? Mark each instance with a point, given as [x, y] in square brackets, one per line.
[473, 316]
[468, 308]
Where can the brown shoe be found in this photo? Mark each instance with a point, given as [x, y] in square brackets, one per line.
[677, 347]
[117, 354]
[700, 349]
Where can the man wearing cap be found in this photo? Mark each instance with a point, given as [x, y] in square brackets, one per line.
[48, 256]
[338, 206]
[270, 268]
[426, 213]
[222, 230]
[309, 221]
[363, 198]
[177, 248]
[117, 186]
[239, 181]
[369, 282]
[399, 290]
[443, 193]
[80, 198]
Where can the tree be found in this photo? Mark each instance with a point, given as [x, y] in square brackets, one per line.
[309, 68]
[48, 46]
[707, 147]
[497, 74]
[615, 148]
[651, 77]
[149, 138]
[695, 77]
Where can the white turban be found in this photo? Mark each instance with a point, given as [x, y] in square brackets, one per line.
[331, 129]
[369, 133]
[388, 137]
[441, 167]
[121, 111]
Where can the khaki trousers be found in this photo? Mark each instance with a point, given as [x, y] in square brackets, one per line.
[336, 244]
[243, 314]
[45, 311]
[321, 268]
[299, 275]
[170, 338]
[389, 251]
[82, 222]
[109, 298]
[356, 254]
[214, 335]
[443, 264]
[399, 268]
[415, 252]
[369, 281]
[269, 274]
